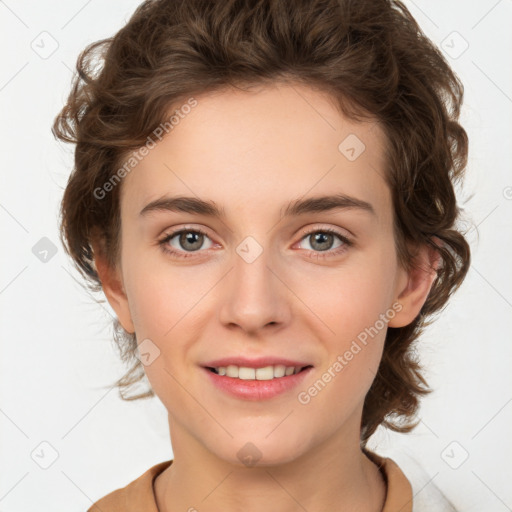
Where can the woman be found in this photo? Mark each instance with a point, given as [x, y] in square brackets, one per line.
[307, 151]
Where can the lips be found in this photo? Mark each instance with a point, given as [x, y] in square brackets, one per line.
[254, 389]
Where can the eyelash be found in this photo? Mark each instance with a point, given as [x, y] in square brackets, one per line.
[318, 254]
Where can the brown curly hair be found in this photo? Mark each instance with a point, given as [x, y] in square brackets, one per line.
[370, 56]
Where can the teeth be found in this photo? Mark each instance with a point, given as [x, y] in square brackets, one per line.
[266, 373]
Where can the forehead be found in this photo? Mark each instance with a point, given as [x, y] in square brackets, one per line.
[253, 151]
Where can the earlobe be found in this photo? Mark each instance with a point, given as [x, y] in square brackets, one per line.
[113, 288]
[419, 281]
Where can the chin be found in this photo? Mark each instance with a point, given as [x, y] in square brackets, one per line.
[260, 449]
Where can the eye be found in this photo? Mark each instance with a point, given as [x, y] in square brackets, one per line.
[321, 240]
[186, 240]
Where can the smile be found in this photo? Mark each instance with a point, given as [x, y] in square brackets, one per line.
[256, 384]
[264, 373]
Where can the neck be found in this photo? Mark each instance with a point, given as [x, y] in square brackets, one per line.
[335, 475]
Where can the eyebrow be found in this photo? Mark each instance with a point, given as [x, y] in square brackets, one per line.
[317, 204]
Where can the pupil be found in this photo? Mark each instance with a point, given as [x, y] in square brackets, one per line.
[323, 245]
[190, 237]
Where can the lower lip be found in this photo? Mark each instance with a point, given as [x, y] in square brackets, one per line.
[257, 389]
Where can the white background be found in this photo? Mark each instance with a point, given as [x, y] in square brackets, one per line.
[58, 362]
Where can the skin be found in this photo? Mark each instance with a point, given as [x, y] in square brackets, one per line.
[252, 153]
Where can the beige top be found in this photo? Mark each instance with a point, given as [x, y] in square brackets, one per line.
[138, 496]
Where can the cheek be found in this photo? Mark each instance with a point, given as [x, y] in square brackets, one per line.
[159, 296]
[350, 300]
[151, 306]
[162, 309]
[165, 305]
[354, 307]
[353, 348]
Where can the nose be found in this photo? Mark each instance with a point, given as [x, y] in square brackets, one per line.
[254, 296]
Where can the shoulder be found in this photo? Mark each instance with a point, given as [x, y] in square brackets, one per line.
[137, 495]
[427, 495]
[398, 488]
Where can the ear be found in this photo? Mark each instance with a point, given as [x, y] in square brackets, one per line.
[112, 284]
[418, 282]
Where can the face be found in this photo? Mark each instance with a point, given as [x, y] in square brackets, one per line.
[254, 282]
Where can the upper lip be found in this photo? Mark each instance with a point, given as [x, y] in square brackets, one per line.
[259, 362]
